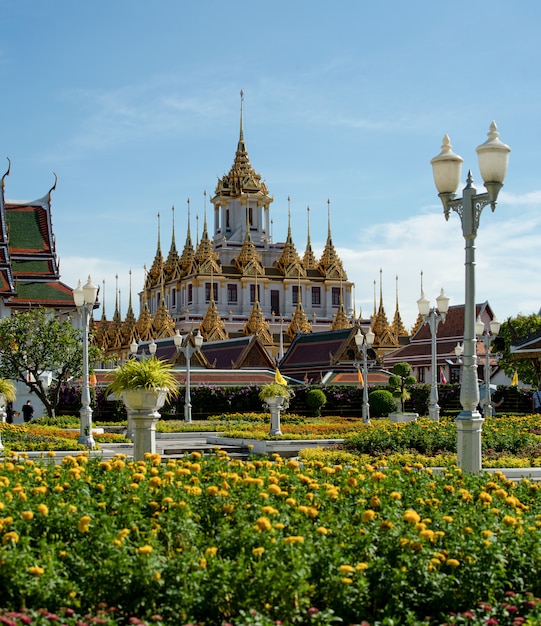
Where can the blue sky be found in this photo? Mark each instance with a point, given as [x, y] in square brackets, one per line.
[135, 106]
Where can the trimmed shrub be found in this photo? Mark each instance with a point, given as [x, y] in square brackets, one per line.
[382, 403]
[315, 399]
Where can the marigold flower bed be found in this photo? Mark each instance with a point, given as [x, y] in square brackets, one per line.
[212, 539]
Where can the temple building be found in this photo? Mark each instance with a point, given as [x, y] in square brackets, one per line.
[235, 281]
[29, 267]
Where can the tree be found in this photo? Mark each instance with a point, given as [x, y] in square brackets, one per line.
[514, 331]
[35, 347]
[398, 381]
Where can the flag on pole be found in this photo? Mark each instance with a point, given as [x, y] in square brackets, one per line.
[360, 377]
[278, 378]
[514, 381]
[443, 380]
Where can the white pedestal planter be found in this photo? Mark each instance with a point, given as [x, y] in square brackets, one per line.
[142, 406]
[403, 417]
[276, 404]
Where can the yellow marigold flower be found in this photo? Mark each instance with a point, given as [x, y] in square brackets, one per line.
[453, 562]
[196, 455]
[212, 490]
[468, 529]
[361, 567]
[447, 518]
[500, 493]
[396, 495]
[258, 551]
[11, 537]
[36, 570]
[84, 523]
[293, 539]
[157, 575]
[427, 534]
[346, 581]
[322, 530]
[448, 489]
[274, 489]
[375, 502]
[211, 551]
[485, 497]
[386, 525]
[368, 515]
[291, 501]
[27, 515]
[263, 523]
[105, 465]
[269, 510]
[378, 476]
[403, 542]
[346, 569]
[145, 549]
[416, 546]
[352, 481]
[279, 526]
[155, 481]
[292, 464]
[228, 508]
[263, 495]
[203, 563]
[43, 509]
[508, 520]
[412, 516]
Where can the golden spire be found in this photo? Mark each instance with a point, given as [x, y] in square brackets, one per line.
[242, 177]
[248, 262]
[289, 263]
[299, 322]
[114, 332]
[397, 326]
[330, 264]
[257, 324]
[419, 321]
[99, 337]
[213, 327]
[205, 255]
[341, 320]
[155, 272]
[129, 325]
[309, 259]
[162, 325]
[187, 259]
[144, 322]
[380, 324]
[172, 257]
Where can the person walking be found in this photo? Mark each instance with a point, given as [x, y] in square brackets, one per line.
[28, 411]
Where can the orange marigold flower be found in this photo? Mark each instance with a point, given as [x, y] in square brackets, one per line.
[27, 515]
[36, 570]
[258, 551]
[453, 562]
[293, 539]
[84, 523]
[368, 515]
[322, 530]
[145, 549]
[43, 509]
[263, 523]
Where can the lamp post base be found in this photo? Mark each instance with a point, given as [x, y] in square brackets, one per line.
[469, 427]
[85, 436]
[434, 412]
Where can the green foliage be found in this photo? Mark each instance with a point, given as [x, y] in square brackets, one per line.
[399, 381]
[513, 331]
[315, 399]
[35, 343]
[381, 403]
[150, 374]
[275, 389]
[7, 389]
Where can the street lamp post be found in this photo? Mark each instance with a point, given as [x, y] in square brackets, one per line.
[364, 343]
[188, 351]
[434, 316]
[134, 347]
[493, 156]
[84, 299]
[487, 336]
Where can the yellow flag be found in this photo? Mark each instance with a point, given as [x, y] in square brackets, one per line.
[514, 381]
[278, 378]
[360, 377]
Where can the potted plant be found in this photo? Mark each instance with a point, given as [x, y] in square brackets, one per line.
[144, 386]
[275, 397]
[398, 383]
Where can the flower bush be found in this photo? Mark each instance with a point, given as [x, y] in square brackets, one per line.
[218, 540]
